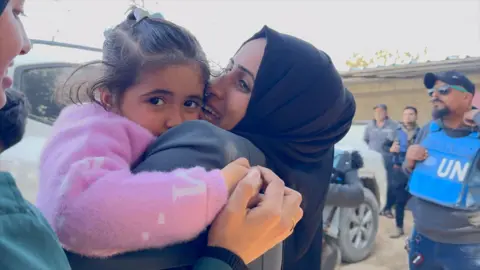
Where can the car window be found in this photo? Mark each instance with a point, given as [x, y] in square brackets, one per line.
[336, 158]
[39, 85]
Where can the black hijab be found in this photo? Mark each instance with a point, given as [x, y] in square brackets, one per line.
[298, 110]
[3, 4]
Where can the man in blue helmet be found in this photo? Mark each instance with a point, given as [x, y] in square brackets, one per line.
[445, 178]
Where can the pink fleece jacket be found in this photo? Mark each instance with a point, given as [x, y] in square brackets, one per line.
[98, 207]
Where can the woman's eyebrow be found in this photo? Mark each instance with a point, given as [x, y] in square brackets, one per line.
[242, 68]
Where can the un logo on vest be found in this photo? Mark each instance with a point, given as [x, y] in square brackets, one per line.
[451, 169]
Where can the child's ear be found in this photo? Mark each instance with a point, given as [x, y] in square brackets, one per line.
[106, 98]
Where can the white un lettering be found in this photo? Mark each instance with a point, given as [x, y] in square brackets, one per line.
[451, 168]
[198, 188]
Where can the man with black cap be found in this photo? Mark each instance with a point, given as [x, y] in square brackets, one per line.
[379, 133]
[444, 178]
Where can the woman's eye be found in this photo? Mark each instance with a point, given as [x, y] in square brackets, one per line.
[191, 104]
[17, 13]
[244, 86]
[156, 101]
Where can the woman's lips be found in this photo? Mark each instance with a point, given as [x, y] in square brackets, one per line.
[210, 113]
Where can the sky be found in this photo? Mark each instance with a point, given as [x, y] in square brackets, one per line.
[340, 28]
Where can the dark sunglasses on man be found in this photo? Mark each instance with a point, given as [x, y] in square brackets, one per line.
[446, 89]
[452, 80]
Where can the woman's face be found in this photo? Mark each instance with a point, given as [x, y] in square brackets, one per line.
[228, 95]
[13, 41]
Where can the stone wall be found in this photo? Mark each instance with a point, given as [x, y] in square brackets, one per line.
[396, 94]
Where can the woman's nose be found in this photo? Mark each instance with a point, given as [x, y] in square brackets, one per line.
[215, 88]
[27, 45]
[26, 48]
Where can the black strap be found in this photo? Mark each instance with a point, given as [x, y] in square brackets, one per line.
[226, 256]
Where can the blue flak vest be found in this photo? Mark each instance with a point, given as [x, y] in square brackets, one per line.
[450, 176]
[402, 138]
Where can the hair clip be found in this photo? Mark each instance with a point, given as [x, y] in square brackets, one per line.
[140, 14]
[107, 32]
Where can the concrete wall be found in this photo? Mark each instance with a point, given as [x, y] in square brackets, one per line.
[396, 93]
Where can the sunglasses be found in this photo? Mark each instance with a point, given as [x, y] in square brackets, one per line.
[445, 89]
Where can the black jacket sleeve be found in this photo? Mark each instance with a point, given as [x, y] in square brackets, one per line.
[349, 194]
[197, 143]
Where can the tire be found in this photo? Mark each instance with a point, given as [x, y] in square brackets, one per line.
[364, 229]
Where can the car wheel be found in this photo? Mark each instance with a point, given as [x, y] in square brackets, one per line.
[331, 254]
[358, 229]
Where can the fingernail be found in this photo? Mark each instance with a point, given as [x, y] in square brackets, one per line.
[254, 173]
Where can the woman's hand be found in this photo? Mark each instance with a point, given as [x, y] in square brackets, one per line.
[234, 172]
[250, 232]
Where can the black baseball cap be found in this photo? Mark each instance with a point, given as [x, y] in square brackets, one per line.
[382, 106]
[451, 77]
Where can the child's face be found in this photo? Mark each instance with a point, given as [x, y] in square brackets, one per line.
[164, 98]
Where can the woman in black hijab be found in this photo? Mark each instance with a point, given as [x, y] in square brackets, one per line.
[286, 101]
[298, 109]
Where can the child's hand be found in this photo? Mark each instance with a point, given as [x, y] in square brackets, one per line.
[234, 172]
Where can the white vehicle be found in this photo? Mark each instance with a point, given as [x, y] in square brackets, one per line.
[352, 231]
[36, 74]
[373, 173]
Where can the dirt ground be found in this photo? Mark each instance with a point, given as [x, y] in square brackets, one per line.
[389, 254]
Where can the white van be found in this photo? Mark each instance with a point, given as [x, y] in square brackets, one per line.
[36, 75]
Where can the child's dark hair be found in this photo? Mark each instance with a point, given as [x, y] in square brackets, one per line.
[134, 46]
[13, 118]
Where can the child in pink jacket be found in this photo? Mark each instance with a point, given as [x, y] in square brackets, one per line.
[153, 79]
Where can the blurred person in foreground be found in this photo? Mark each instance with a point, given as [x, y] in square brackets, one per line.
[27, 241]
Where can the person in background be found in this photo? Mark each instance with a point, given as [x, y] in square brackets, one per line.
[28, 242]
[404, 137]
[13, 119]
[442, 164]
[378, 133]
